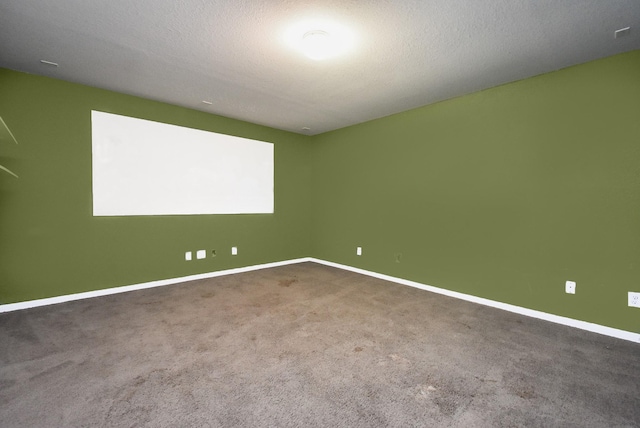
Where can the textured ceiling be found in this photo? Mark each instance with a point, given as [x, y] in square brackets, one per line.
[407, 53]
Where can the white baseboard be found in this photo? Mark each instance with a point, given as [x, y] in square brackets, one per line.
[583, 325]
[123, 289]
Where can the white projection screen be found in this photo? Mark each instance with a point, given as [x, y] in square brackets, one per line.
[142, 167]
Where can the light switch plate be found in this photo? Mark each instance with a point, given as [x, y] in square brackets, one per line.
[201, 254]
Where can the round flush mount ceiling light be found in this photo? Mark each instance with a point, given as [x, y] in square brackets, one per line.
[319, 39]
[317, 44]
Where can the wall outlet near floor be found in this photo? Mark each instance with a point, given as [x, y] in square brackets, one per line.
[359, 251]
[187, 256]
[634, 299]
[201, 254]
[234, 251]
[570, 287]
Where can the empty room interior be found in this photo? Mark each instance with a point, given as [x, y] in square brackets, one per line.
[320, 213]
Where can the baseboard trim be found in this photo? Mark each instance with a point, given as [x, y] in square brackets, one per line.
[583, 325]
[10, 307]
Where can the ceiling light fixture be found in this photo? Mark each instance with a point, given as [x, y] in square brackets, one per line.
[207, 102]
[319, 38]
[317, 44]
[55, 64]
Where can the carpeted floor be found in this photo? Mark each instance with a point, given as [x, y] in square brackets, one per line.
[301, 346]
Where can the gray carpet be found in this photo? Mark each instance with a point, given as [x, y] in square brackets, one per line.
[306, 345]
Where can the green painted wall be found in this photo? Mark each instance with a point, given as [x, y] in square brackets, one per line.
[52, 245]
[503, 194]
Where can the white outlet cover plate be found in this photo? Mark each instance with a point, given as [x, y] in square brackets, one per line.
[359, 251]
[570, 287]
[634, 299]
[187, 255]
[201, 254]
[234, 251]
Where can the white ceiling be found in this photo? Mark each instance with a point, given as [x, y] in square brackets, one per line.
[408, 53]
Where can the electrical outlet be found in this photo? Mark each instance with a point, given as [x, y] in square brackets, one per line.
[570, 287]
[234, 251]
[201, 254]
[634, 299]
[359, 251]
[187, 255]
